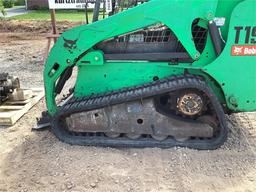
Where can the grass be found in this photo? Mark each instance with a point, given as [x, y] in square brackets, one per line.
[61, 15]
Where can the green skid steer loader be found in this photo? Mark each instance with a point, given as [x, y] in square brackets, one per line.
[163, 73]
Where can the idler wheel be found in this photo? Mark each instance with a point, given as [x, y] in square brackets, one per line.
[112, 134]
[181, 139]
[133, 136]
[159, 137]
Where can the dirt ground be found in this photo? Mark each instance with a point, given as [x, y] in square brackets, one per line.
[37, 161]
[37, 26]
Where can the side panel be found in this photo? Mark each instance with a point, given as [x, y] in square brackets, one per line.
[111, 76]
[235, 68]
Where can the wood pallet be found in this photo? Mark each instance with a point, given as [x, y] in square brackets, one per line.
[12, 111]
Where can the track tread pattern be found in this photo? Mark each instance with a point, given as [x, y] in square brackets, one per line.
[76, 105]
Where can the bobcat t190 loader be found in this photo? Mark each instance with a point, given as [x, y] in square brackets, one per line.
[161, 74]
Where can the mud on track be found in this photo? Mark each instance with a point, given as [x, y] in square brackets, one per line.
[37, 161]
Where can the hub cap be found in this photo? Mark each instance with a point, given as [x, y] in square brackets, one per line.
[190, 104]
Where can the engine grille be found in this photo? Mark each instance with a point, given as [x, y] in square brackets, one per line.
[199, 36]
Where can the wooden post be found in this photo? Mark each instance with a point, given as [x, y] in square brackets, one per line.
[53, 36]
[53, 20]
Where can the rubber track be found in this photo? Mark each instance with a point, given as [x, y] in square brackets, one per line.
[131, 94]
